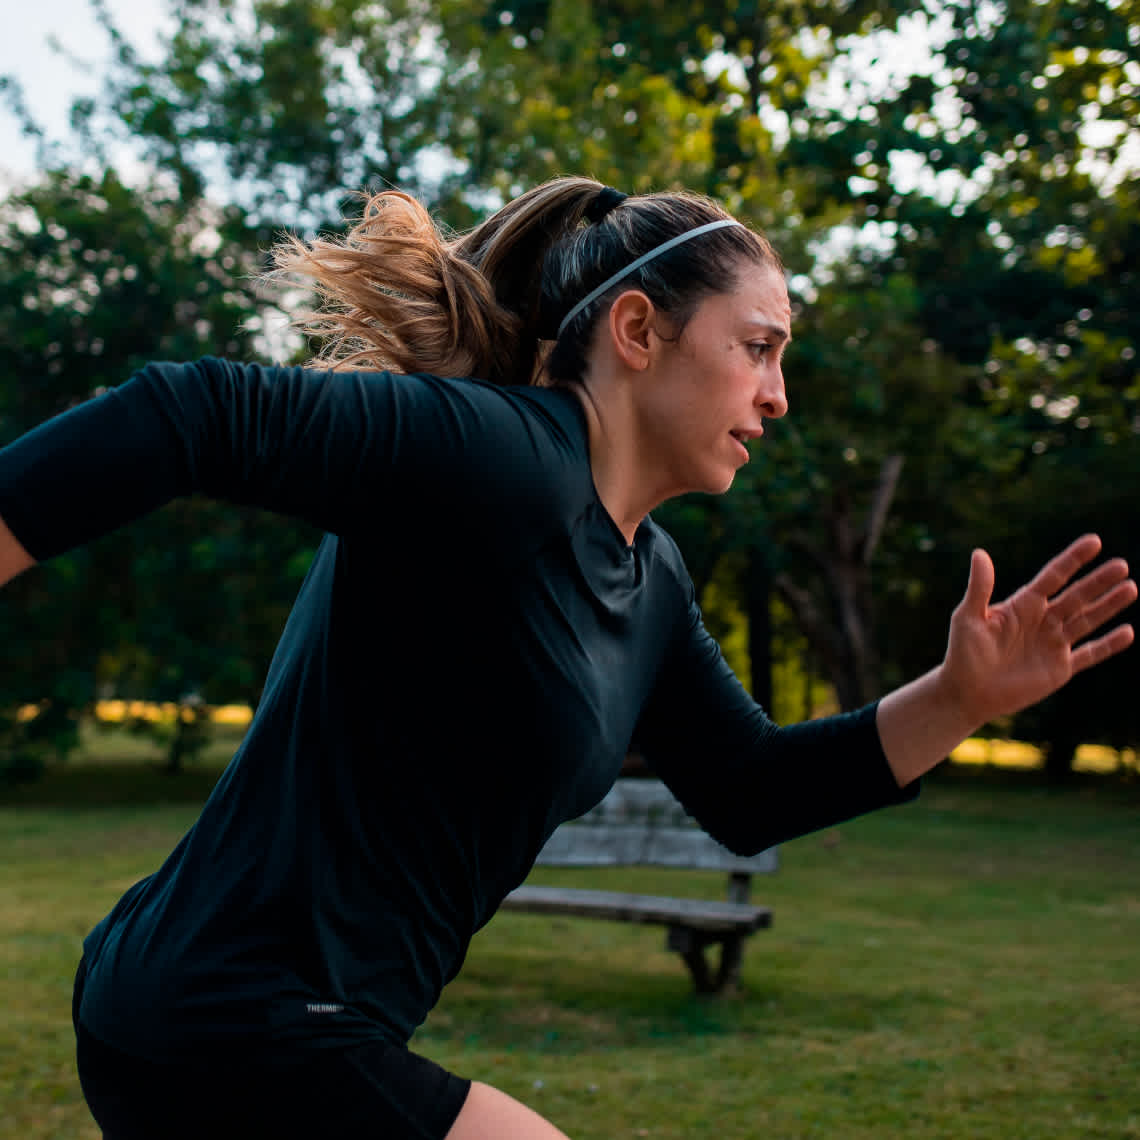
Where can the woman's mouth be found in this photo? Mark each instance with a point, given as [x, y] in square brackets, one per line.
[741, 438]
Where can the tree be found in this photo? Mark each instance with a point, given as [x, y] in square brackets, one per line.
[1098, 707]
[282, 105]
[1035, 287]
[97, 278]
[1021, 233]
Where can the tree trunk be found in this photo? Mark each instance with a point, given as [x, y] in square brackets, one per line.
[1059, 756]
[758, 593]
[191, 734]
[840, 625]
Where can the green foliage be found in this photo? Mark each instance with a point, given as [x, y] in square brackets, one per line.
[1028, 122]
[726, 621]
[797, 694]
[30, 742]
[1018, 245]
[292, 102]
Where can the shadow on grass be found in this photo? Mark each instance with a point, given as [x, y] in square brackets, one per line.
[1124, 782]
[525, 986]
[97, 784]
[112, 785]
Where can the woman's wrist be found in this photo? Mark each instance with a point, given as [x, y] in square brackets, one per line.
[922, 722]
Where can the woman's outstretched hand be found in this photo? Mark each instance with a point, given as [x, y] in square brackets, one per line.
[1002, 658]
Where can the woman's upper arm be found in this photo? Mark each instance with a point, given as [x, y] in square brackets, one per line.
[329, 448]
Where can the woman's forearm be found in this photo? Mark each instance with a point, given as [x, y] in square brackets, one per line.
[920, 724]
[14, 559]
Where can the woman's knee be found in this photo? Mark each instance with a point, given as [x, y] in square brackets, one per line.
[489, 1114]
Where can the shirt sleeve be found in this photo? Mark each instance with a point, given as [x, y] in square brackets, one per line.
[748, 782]
[342, 451]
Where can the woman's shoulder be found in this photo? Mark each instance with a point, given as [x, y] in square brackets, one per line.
[524, 435]
[552, 418]
[510, 464]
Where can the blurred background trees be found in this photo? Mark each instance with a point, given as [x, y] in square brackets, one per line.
[96, 278]
[960, 227]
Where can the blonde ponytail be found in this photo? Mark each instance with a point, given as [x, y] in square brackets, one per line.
[395, 294]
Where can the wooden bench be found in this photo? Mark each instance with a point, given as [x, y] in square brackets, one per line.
[640, 824]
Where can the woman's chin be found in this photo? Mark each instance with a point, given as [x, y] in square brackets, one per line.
[707, 480]
[718, 482]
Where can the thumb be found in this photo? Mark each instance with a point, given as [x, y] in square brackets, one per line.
[980, 587]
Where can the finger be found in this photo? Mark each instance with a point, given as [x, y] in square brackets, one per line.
[980, 587]
[1094, 652]
[1057, 571]
[1088, 589]
[1105, 608]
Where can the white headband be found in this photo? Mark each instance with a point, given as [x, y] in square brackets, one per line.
[594, 294]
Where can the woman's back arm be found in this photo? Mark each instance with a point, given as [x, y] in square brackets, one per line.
[343, 451]
[14, 559]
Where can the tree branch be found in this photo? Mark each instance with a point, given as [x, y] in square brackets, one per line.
[812, 622]
[889, 474]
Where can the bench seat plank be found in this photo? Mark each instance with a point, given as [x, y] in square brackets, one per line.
[698, 914]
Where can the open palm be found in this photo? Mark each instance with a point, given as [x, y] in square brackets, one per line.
[1003, 657]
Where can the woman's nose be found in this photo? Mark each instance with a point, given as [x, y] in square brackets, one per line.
[772, 399]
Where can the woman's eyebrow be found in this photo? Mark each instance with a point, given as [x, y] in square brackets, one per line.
[777, 332]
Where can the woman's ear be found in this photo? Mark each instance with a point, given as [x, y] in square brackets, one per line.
[631, 326]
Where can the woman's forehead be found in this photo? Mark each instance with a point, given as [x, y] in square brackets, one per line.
[759, 296]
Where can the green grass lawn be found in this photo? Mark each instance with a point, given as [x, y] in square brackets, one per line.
[963, 967]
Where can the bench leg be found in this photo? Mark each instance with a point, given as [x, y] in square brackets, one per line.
[731, 956]
[691, 945]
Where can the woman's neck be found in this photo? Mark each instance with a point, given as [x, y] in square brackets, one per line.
[616, 465]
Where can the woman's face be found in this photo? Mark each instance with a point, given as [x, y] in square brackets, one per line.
[710, 391]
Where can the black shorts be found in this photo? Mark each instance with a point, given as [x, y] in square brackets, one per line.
[371, 1090]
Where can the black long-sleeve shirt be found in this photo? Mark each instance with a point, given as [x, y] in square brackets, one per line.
[471, 656]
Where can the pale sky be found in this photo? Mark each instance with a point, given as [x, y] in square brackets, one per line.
[50, 81]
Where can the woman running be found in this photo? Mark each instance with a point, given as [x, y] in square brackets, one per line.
[491, 622]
